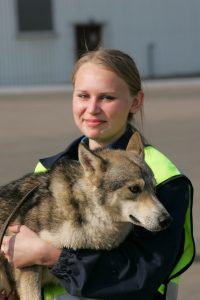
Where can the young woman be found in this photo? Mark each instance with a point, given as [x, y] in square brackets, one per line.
[107, 93]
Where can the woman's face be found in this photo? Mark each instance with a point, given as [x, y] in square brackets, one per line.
[101, 104]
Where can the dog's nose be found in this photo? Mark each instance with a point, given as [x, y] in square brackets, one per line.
[165, 220]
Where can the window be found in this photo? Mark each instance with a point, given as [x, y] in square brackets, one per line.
[88, 37]
[34, 15]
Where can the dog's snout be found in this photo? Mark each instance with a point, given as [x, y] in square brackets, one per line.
[165, 220]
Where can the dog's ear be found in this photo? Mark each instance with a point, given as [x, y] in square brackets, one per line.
[90, 162]
[135, 144]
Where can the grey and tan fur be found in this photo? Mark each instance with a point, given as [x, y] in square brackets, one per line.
[88, 204]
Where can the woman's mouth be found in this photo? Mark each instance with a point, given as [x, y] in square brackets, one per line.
[93, 122]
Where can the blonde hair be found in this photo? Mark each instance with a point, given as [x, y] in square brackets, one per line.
[120, 63]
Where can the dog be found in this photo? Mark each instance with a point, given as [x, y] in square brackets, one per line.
[93, 203]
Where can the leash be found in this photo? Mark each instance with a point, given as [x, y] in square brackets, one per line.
[6, 223]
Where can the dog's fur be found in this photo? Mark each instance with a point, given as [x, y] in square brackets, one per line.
[87, 204]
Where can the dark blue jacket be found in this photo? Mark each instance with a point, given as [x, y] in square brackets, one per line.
[141, 263]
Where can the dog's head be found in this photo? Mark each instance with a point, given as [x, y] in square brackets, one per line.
[123, 185]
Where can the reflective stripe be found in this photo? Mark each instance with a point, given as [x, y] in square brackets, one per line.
[160, 165]
[52, 292]
[40, 168]
[161, 289]
[64, 297]
[189, 247]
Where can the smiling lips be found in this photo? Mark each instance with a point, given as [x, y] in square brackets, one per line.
[93, 122]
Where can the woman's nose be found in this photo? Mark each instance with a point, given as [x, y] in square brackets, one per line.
[93, 106]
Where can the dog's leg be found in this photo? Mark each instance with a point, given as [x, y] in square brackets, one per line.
[28, 282]
[6, 282]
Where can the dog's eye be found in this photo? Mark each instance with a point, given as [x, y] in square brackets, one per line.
[135, 189]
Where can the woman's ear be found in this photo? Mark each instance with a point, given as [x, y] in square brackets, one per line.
[137, 102]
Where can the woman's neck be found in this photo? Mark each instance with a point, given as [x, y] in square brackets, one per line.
[94, 144]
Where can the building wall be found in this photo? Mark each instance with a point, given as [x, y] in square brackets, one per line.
[162, 36]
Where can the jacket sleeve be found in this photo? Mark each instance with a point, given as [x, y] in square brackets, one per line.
[138, 266]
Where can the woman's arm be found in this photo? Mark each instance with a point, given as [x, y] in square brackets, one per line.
[138, 266]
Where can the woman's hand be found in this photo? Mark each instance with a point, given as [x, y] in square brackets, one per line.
[4, 296]
[25, 248]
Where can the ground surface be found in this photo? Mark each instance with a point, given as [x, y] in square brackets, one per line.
[37, 125]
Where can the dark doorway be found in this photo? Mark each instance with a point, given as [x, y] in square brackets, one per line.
[88, 37]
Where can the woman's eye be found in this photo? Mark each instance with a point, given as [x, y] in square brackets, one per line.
[83, 96]
[107, 97]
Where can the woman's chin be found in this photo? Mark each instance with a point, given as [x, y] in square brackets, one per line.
[92, 133]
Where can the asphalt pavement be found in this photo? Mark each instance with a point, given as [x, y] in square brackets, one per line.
[38, 122]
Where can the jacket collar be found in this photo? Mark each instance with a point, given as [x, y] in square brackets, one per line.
[71, 152]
